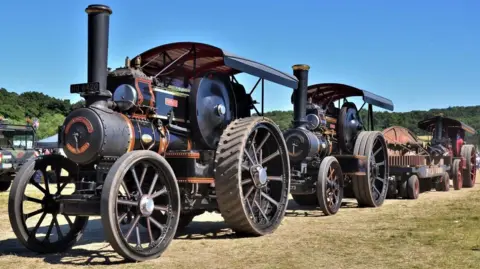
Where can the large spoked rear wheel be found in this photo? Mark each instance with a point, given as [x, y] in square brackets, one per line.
[457, 174]
[140, 205]
[252, 175]
[330, 186]
[470, 172]
[371, 190]
[44, 229]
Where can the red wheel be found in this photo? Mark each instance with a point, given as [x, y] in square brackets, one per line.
[413, 187]
[470, 173]
[457, 175]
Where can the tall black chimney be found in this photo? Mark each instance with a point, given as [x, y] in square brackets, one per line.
[300, 95]
[98, 26]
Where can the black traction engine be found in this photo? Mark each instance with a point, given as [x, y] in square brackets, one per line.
[332, 154]
[159, 141]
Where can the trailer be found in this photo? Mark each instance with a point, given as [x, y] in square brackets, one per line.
[415, 168]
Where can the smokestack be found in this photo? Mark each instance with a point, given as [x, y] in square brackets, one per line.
[98, 26]
[300, 95]
[438, 127]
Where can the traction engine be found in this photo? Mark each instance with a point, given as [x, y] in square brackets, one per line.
[331, 153]
[160, 141]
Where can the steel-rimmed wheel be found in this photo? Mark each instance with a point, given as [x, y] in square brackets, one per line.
[252, 175]
[371, 190]
[457, 174]
[330, 186]
[468, 152]
[140, 205]
[44, 229]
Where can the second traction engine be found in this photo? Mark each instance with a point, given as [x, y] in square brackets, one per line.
[313, 142]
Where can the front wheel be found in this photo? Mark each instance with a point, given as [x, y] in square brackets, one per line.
[371, 190]
[59, 232]
[330, 186]
[252, 175]
[140, 205]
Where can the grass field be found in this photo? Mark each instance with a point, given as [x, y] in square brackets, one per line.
[439, 230]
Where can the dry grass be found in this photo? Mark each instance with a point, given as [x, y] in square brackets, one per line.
[439, 230]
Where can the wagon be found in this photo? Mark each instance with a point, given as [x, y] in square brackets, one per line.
[416, 168]
[161, 140]
[333, 153]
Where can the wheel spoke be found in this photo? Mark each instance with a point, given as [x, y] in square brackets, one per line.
[271, 156]
[246, 181]
[38, 186]
[46, 181]
[253, 146]
[35, 200]
[269, 198]
[160, 208]
[57, 226]
[144, 172]
[134, 224]
[68, 220]
[245, 167]
[149, 229]
[58, 174]
[35, 229]
[249, 157]
[126, 202]
[62, 187]
[260, 146]
[135, 178]
[377, 151]
[158, 193]
[380, 163]
[126, 189]
[154, 182]
[49, 231]
[137, 231]
[34, 213]
[380, 179]
[376, 190]
[261, 210]
[275, 178]
[123, 216]
[156, 223]
[249, 191]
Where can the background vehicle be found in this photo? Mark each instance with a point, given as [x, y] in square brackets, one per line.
[161, 140]
[17, 144]
[331, 152]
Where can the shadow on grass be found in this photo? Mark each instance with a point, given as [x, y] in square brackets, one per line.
[296, 210]
[82, 254]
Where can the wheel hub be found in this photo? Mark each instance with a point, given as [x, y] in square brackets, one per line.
[260, 176]
[50, 205]
[146, 205]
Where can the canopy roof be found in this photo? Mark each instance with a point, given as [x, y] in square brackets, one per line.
[446, 122]
[330, 92]
[194, 59]
[49, 142]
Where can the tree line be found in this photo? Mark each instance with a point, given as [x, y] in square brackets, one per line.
[51, 112]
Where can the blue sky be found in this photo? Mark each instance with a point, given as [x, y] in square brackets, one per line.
[420, 54]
